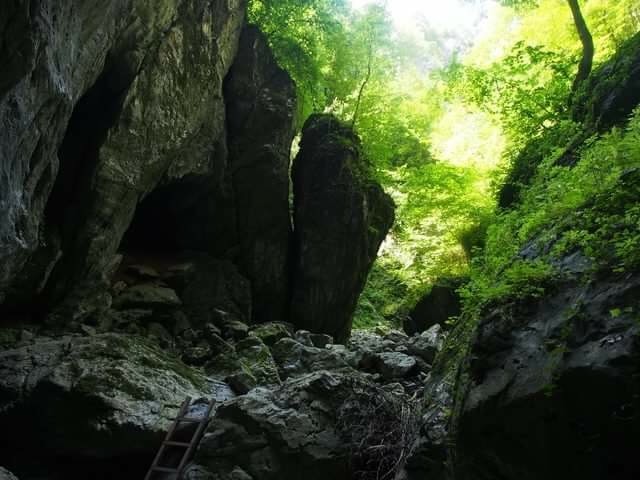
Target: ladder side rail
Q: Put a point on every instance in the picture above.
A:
(195, 440)
(174, 425)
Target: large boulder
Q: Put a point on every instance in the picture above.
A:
(271, 332)
(427, 344)
(250, 364)
(341, 217)
(93, 398)
(552, 386)
(295, 358)
(287, 434)
(7, 475)
(147, 296)
(315, 426)
(261, 103)
(395, 365)
(104, 102)
(436, 307)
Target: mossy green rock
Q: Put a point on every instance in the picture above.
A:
(271, 332)
(250, 365)
(612, 91)
(295, 359)
(147, 296)
(103, 395)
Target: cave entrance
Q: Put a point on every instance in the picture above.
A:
(94, 114)
(69, 204)
(193, 214)
(186, 215)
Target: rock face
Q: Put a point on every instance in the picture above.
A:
(145, 228)
(6, 475)
(250, 434)
(163, 133)
(563, 375)
(123, 118)
(99, 397)
(436, 307)
(341, 217)
(260, 115)
(612, 91)
(543, 388)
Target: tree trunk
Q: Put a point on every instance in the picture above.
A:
(588, 49)
(362, 87)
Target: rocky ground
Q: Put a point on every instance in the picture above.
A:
(288, 402)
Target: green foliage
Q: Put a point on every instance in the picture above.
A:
(303, 35)
(444, 143)
(527, 90)
(605, 80)
(593, 207)
(524, 164)
(517, 280)
(386, 296)
(326, 48)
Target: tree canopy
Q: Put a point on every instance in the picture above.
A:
(442, 118)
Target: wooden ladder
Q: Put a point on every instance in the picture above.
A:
(188, 447)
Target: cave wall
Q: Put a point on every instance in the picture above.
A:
(171, 126)
(114, 99)
(138, 131)
(261, 107)
(41, 82)
(161, 68)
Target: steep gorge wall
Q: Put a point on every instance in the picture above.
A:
(261, 107)
(546, 385)
(145, 223)
(114, 99)
(137, 132)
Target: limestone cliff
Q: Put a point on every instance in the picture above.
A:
(341, 218)
(105, 103)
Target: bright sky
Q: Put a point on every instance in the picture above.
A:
(458, 15)
(449, 14)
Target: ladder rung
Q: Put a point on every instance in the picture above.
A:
(171, 443)
(189, 419)
(189, 446)
(164, 469)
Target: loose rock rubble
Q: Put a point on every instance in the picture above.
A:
(278, 391)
